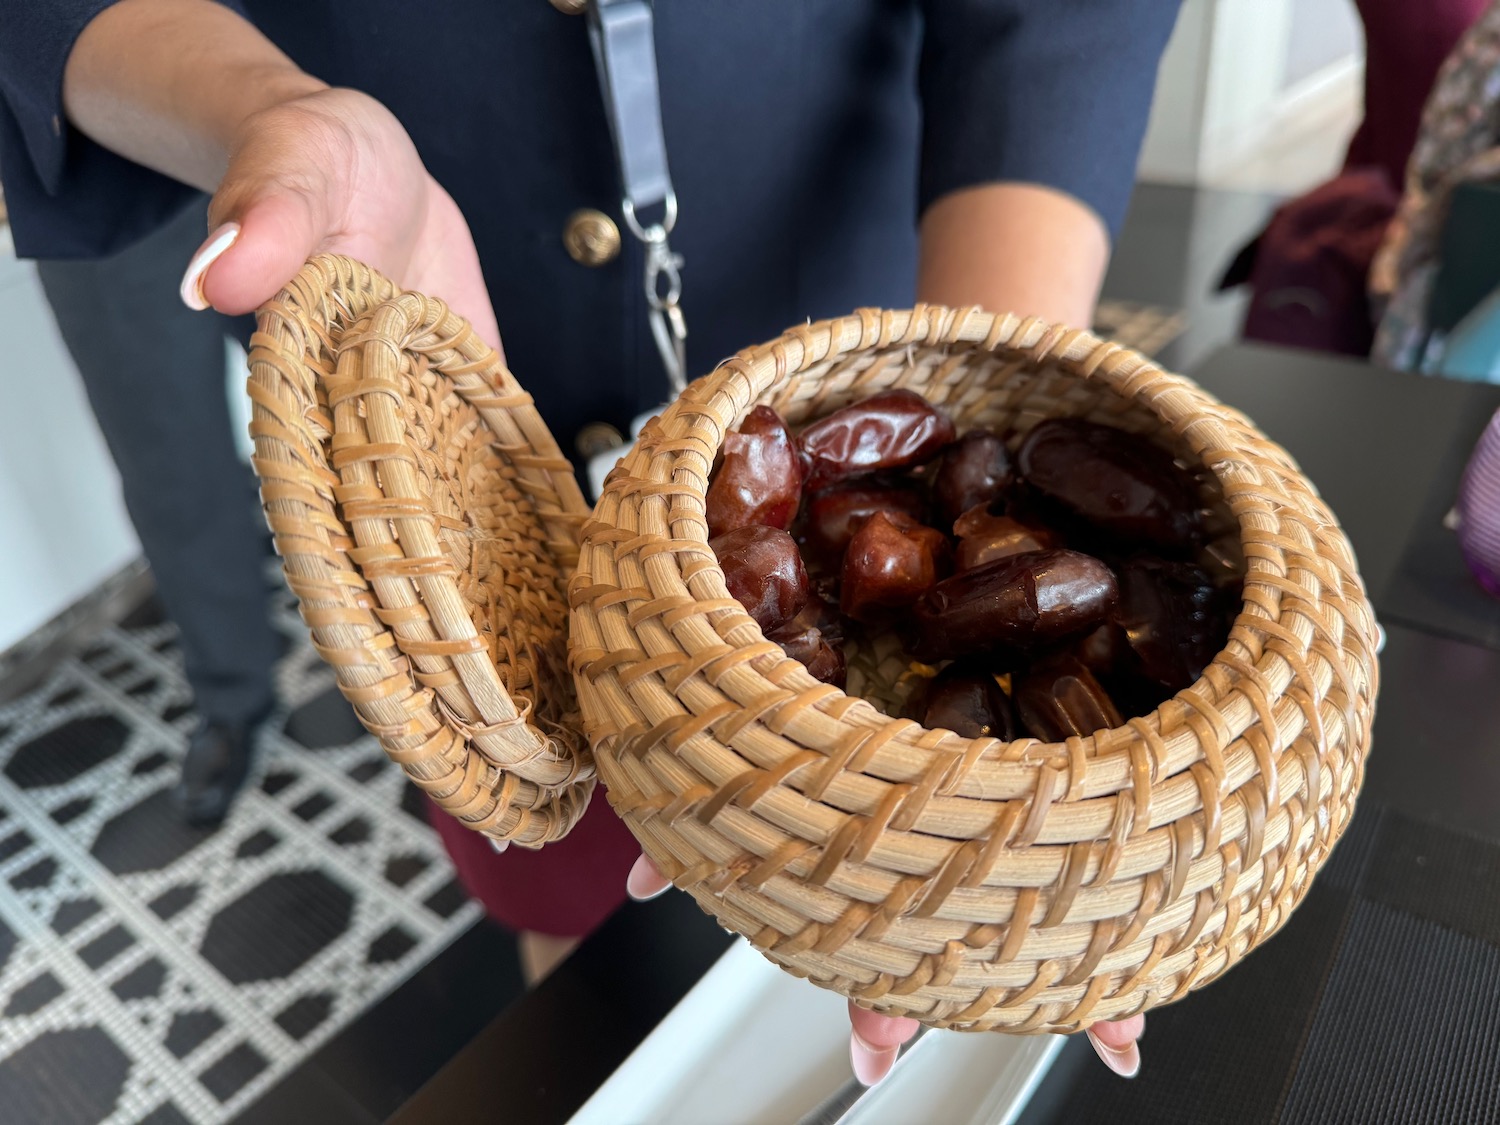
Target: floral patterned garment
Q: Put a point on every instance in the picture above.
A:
(1457, 144)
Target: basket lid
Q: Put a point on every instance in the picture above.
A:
(427, 522)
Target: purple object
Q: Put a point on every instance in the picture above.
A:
(1478, 509)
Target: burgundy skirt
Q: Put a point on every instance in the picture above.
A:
(565, 889)
(1406, 42)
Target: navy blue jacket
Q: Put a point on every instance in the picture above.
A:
(805, 137)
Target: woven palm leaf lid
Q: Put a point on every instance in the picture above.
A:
(427, 522)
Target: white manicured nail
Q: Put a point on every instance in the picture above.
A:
(1124, 1061)
(209, 253)
(645, 882)
(870, 1063)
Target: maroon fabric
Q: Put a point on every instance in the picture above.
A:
(1406, 42)
(1312, 261)
(566, 889)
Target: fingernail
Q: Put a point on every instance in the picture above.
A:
(1379, 638)
(1124, 1061)
(870, 1064)
(499, 846)
(209, 253)
(644, 882)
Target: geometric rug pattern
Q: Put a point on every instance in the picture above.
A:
(150, 972)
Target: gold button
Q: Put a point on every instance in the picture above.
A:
(591, 237)
(570, 7)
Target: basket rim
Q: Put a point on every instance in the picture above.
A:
(1207, 424)
(1022, 886)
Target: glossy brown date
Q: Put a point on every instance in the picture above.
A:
(764, 572)
(1060, 698)
(759, 478)
(835, 515)
(891, 561)
(975, 470)
(968, 701)
(983, 537)
(1169, 615)
(889, 430)
(1115, 481)
(812, 648)
(1013, 606)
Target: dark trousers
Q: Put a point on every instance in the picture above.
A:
(155, 375)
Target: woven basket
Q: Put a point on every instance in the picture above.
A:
(428, 524)
(1021, 887)
(427, 521)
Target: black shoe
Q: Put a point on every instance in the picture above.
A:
(214, 770)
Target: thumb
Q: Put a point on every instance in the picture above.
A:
(257, 245)
(878, 1030)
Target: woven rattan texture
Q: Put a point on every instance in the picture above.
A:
(428, 523)
(1022, 887)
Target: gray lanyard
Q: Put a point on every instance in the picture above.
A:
(622, 35)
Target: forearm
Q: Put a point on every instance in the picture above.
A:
(1015, 248)
(166, 83)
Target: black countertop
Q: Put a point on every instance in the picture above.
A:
(1386, 450)
(1376, 1002)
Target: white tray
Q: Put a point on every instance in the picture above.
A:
(751, 1045)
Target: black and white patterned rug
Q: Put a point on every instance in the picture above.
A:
(154, 973)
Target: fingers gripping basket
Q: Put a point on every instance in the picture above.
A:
(428, 523)
(973, 884)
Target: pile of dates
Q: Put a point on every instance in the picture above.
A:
(1046, 588)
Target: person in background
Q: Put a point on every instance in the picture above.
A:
(154, 371)
(1309, 271)
(826, 154)
(1458, 143)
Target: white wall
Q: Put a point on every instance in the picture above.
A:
(1231, 85)
(1174, 132)
(63, 526)
(1322, 33)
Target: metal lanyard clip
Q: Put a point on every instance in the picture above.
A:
(663, 290)
(623, 38)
